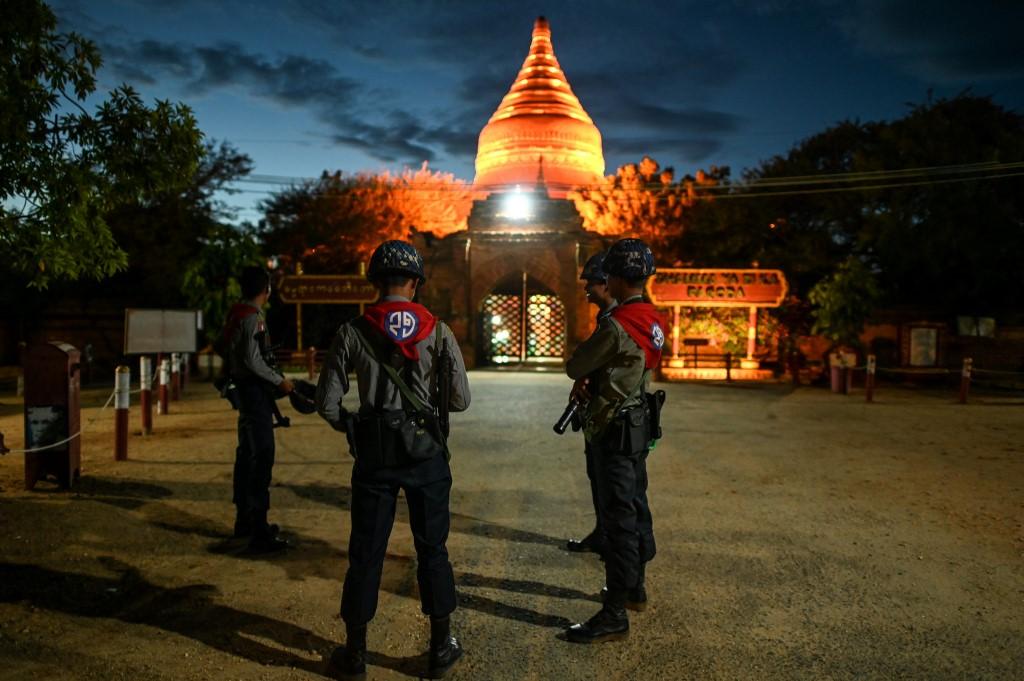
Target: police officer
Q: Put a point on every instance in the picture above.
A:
(611, 370)
(248, 351)
(394, 350)
(596, 287)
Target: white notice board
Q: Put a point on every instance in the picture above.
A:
(151, 331)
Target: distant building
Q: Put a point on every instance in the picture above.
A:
(509, 285)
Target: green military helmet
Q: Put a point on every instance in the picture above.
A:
(592, 270)
(303, 396)
(629, 259)
(396, 257)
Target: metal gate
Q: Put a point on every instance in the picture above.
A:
(518, 332)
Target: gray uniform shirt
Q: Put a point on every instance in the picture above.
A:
(348, 353)
(244, 356)
(616, 363)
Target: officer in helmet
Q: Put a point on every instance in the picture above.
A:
(595, 284)
(402, 357)
(611, 370)
(247, 352)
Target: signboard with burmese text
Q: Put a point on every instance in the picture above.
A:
(317, 288)
(718, 288)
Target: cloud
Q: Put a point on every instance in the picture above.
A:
(942, 41)
(404, 138)
(622, 112)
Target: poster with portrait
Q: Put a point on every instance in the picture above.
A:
(45, 425)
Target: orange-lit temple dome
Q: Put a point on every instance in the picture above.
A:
(540, 128)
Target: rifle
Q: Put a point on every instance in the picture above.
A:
(569, 416)
(444, 388)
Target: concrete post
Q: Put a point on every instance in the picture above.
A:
(122, 393)
(965, 379)
(869, 380)
(165, 381)
(146, 393)
(175, 376)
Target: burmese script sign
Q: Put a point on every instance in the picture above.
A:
(718, 288)
(315, 288)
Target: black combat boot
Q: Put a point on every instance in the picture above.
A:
(243, 525)
(592, 543)
(609, 624)
(445, 650)
(264, 536)
(348, 662)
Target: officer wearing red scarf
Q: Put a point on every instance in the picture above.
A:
(611, 370)
(245, 337)
(409, 338)
(596, 287)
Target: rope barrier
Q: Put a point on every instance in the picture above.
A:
(68, 439)
(997, 371)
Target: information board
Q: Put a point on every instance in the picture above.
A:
(152, 331)
(718, 288)
(318, 288)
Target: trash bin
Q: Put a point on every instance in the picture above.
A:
(840, 364)
(52, 414)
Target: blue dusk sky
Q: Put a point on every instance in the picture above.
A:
(311, 85)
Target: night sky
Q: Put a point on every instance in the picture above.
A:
(307, 85)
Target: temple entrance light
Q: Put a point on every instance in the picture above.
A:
(517, 205)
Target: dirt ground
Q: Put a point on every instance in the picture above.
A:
(801, 535)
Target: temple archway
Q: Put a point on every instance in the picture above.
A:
(522, 321)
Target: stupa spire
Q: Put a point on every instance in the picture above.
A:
(540, 116)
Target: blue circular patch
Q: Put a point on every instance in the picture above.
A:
(657, 336)
(401, 325)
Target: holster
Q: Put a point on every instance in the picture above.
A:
(394, 438)
(630, 430)
(227, 389)
(655, 401)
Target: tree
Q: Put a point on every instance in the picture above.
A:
(843, 302)
(332, 224)
(930, 202)
(643, 201)
(210, 280)
(63, 168)
(163, 235)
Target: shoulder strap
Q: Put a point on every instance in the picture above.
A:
(392, 373)
(639, 388)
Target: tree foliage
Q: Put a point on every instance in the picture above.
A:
(642, 200)
(911, 198)
(843, 302)
(160, 236)
(332, 224)
(210, 280)
(62, 167)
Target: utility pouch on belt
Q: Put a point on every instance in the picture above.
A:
(389, 438)
(635, 429)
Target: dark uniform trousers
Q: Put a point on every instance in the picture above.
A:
(254, 458)
(374, 496)
(625, 513)
(592, 476)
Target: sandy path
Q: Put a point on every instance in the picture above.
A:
(800, 535)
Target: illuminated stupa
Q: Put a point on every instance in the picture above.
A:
(539, 124)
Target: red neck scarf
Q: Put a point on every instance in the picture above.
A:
(237, 313)
(403, 323)
(645, 326)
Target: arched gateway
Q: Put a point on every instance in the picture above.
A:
(522, 321)
(539, 143)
